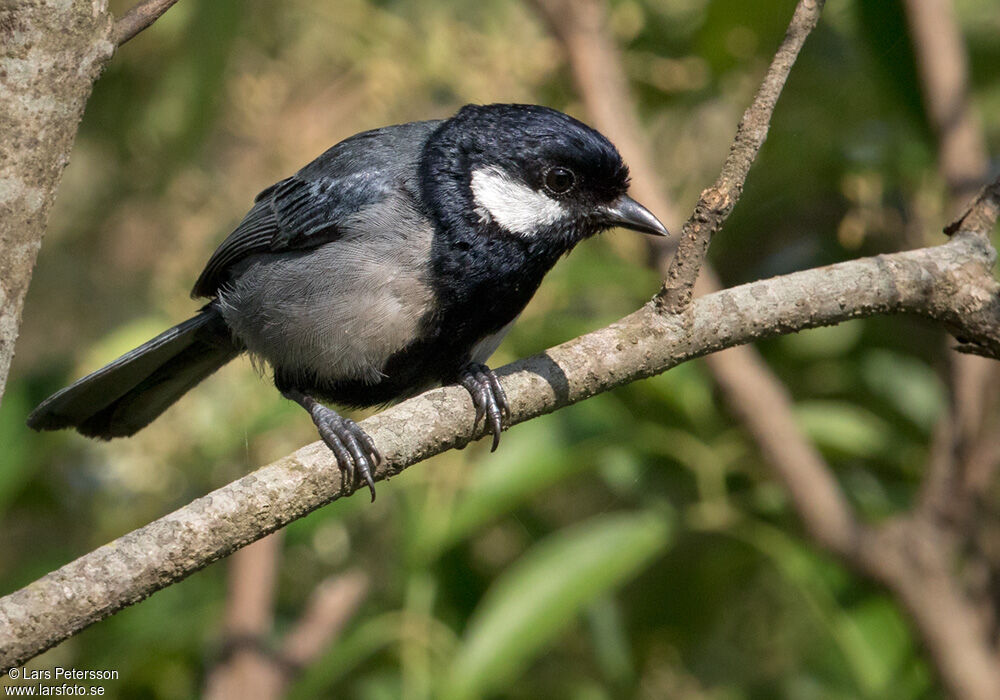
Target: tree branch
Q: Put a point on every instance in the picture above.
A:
(912, 559)
(981, 216)
(948, 283)
(717, 202)
(332, 604)
(752, 391)
(956, 477)
(139, 18)
(51, 54)
(944, 76)
(250, 668)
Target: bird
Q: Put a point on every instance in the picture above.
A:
(394, 262)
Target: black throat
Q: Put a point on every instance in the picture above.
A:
(483, 275)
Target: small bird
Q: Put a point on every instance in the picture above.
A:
(394, 262)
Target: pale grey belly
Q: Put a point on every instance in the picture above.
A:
(482, 350)
(339, 311)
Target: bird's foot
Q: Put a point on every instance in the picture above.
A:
(351, 445)
(488, 397)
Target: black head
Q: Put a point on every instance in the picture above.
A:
(529, 172)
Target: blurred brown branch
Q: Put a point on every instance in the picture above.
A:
(250, 669)
(965, 453)
(750, 388)
(331, 605)
(138, 18)
(246, 669)
(943, 69)
(958, 475)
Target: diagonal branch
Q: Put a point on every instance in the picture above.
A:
(752, 391)
(948, 283)
(982, 214)
(138, 18)
(717, 202)
(944, 76)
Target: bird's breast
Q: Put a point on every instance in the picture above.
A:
(338, 312)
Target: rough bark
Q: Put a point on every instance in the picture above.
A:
(52, 53)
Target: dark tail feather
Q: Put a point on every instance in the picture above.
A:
(126, 395)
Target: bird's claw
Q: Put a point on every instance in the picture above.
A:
(351, 445)
(488, 397)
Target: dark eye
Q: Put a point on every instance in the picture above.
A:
(559, 180)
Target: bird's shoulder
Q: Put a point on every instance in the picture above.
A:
(313, 206)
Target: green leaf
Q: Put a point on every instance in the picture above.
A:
(534, 600)
(816, 580)
(881, 632)
(845, 428)
(16, 466)
(824, 342)
(536, 460)
(908, 385)
(610, 639)
(688, 391)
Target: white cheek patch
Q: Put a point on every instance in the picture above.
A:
(512, 204)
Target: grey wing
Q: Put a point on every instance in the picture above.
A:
(293, 214)
(308, 209)
(253, 235)
(340, 310)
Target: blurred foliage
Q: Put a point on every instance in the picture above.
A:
(635, 545)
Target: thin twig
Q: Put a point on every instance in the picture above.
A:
(981, 216)
(717, 202)
(752, 391)
(138, 18)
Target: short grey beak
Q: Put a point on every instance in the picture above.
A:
(628, 213)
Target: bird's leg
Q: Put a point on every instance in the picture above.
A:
(487, 396)
(351, 445)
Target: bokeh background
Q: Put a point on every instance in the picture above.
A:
(634, 545)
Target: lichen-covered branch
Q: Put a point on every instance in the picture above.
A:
(51, 55)
(949, 283)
